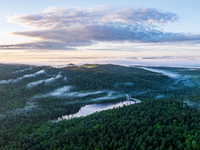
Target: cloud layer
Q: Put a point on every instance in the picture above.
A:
(64, 17)
(67, 28)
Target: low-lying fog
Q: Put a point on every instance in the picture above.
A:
(62, 62)
(21, 78)
(177, 75)
(183, 76)
(67, 91)
(33, 84)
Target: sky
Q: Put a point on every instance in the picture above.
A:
(145, 32)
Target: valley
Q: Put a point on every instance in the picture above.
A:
(32, 96)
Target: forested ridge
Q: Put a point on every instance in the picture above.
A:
(157, 124)
(33, 97)
(83, 78)
(165, 124)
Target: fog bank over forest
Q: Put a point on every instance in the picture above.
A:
(62, 62)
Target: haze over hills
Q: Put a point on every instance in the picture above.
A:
(39, 96)
(62, 62)
(100, 75)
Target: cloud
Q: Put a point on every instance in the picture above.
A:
(21, 78)
(64, 17)
(187, 80)
(164, 72)
(39, 45)
(81, 94)
(67, 28)
(60, 91)
(32, 84)
(22, 70)
(109, 96)
(65, 92)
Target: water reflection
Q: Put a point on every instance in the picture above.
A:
(89, 109)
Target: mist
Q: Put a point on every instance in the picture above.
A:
(187, 80)
(23, 77)
(23, 70)
(193, 104)
(135, 93)
(164, 72)
(126, 84)
(110, 95)
(82, 94)
(60, 91)
(32, 84)
(159, 96)
(66, 92)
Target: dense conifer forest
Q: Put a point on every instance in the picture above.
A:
(32, 98)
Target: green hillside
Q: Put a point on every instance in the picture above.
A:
(166, 124)
(31, 97)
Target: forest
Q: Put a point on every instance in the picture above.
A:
(33, 97)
